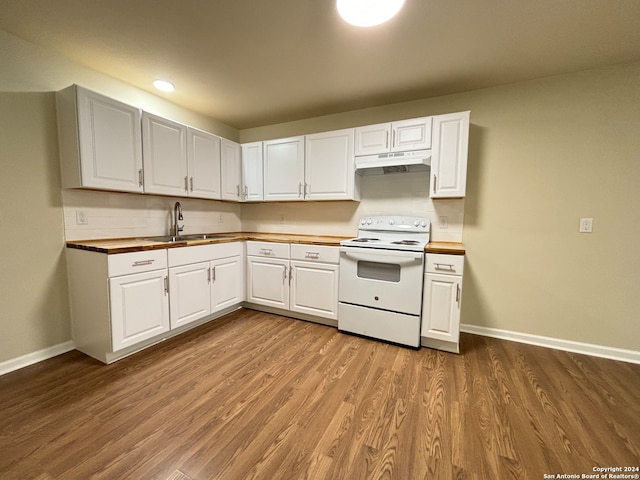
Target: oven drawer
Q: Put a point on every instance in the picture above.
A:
(315, 253)
(268, 249)
(444, 264)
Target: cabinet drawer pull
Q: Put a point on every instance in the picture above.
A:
(266, 251)
(445, 266)
(139, 263)
(315, 255)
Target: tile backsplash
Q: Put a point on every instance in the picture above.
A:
(121, 215)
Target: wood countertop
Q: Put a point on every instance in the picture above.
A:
(126, 245)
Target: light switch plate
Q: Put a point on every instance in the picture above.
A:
(82, 217)
(586, 225)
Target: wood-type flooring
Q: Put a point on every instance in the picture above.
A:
(260, 396)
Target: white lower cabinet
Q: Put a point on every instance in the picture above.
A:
(298, 277)
(441, 302)
(204, 280)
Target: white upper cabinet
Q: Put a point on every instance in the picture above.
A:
(401, 136)
(284, 169)
(100, 141)
(329, 166)
(231, 170)
(165, 156)
(203, 164)
(449, 155)
(252, 177)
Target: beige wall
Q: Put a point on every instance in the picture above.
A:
(542, 154)
(34, 312)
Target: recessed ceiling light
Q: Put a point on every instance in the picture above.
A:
(163, 85)
(367, 13)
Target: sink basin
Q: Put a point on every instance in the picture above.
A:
(185, 238)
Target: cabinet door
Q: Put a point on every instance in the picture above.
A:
(329, 168)
(268, 282)
(252, 178)
(449, 155)
(203, 161)
(284, 169)
(413, 134)
(314, 289)
(165, 156)
(189, 293)
(139, 307)
(441, 307)
(227, 283)
(110, 143)
(231, 170)
(373, 139)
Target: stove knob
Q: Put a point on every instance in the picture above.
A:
(423, 224)
(392, 221)
(369, 222)
(416, 223)
(363, 221)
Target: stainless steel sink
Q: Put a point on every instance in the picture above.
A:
(185, 238)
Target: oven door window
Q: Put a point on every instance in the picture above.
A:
(385, 272)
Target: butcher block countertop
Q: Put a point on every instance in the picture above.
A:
(126, 245)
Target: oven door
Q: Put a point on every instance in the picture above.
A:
(384, 279)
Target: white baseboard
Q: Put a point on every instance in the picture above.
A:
(631, 356)
(35, 357)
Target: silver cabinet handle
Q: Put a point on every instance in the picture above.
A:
(213, 274)
(139, 263)
(300, 189)
(246, 192)
(238, 190)
(386, 140)
(393, 138)
(290, 274)
(140, 178)
(208, 275)
(458, 294)
(435, 182)
(444, 266)
(315, 255)
(186, 184)
(191, 182)
(284, 274)
(307, 187)
(166, 285)
(266, 251)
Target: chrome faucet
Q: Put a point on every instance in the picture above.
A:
(177, 215)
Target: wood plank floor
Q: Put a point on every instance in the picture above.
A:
(254, 395)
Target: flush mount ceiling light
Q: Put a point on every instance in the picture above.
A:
(163, 85)
(367, 13)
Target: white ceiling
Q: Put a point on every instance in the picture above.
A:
(256, 62)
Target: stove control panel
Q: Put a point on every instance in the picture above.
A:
(395, 223)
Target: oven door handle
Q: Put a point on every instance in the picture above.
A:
(397, 257)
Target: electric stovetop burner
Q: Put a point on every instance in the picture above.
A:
(365, 239)
(405, 242)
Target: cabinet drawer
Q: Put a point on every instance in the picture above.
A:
(203, 253)
(445, 264)
(136, 262)
(315, 253)
(268, 249)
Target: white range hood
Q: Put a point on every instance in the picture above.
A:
(394, 162)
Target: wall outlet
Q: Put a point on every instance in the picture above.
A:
(586, 225)
(443, 222)
(82, 217)
(281, 217)
(220, 218)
